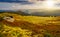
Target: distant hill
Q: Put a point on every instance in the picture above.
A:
(16, 12)
(34, 13)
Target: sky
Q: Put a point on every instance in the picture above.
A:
(29, 4)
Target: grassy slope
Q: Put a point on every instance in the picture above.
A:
(35, 23)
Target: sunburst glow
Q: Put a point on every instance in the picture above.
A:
(49, 3)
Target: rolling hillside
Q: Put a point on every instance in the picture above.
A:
(38, 26)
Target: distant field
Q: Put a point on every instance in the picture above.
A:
(38, 26)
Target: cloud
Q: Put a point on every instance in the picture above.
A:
(19, 6)
(16, 1)
(22, 0)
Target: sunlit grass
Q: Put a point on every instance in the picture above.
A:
(29, 26)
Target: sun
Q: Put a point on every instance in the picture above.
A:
(49, 3)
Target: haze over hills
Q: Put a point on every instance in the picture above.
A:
(35, 12)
